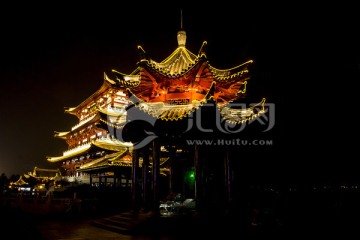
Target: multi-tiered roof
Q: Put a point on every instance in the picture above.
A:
(86, 140)
(169, 91)
(177, 86)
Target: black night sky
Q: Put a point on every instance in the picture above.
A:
(306, 63)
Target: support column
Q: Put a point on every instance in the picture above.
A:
(115, 179)
(171, 178)
(198, 185)
(119, 180)
(145, 174)
(134, 183)
(173, 170)
(156, 175)
(90, 179)
(228, 182)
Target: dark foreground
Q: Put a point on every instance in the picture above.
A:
(292, 216)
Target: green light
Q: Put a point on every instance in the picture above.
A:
(189, 176)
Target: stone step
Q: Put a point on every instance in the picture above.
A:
(113, 228)
(122, 223)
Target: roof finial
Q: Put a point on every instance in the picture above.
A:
(181, 20)
(181, 36)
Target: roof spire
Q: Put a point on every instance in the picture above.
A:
(181, 20)
(181, 36)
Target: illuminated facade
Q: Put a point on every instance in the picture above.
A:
(39, 180)
(142, 121)
(87, 141)
(171, 102)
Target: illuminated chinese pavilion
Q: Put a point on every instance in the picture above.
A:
(136, 127)
(39, 179)
(170, 102)
(89, 145)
